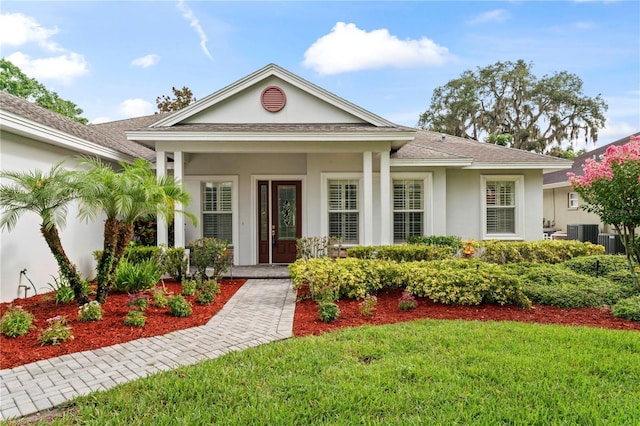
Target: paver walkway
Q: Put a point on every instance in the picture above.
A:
(261, 311)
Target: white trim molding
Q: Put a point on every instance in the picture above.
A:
(519, 206)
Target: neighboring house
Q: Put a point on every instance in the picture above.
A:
(32, 138)
(273, 157)
(562, 203)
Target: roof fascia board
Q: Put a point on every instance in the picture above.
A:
(520, 165)
(141, 135)
(261, 74)
(413, 162)
(556, 185)
(19, 125)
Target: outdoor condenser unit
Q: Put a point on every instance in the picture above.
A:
(583, 232)
(611, 243)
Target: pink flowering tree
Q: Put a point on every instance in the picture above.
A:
(611, 189)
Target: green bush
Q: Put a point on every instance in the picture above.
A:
(178, 307)
(555, 285)
(209, 253)
(57, 332)
(207, 291)
(463, 282)
(135, 318)
(62, 291)
(597, 266)
(91, 311)
(136, 277)
(547, 251)
(189, 288)
(174, 263)
(628, 308)
(455, 243)
(139, 254)
(205, 297)
(401, 253)
(328, 311)
(16, 321)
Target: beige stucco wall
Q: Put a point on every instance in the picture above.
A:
(557, 211)
(24, 247)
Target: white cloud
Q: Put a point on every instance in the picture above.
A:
(348, 48)
(17, 29)
(146, 61)
(583, 25)
(63, 68)
(102, 119)
(497, 15)
(136, 107)
(195, 24)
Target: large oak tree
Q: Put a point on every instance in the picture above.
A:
(507, 99)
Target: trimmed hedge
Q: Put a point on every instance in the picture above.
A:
(438, 240)
(546, 251)
(627, 308)
(401, 253)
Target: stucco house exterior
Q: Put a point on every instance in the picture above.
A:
(562, 203)
(273, 157)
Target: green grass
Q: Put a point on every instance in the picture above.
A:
(422, 372)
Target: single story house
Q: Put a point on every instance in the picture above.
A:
(562, 203)
(273, 157)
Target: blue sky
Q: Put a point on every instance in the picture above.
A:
(114, 58)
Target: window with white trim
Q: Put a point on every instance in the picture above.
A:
(574, 200)
(217, 210)
(408, 208)
(343, 209)
(502, 201)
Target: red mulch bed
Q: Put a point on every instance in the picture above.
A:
(106, 332)
(111, 330)
(306, 319)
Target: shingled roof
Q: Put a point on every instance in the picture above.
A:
(433, 145)
(560, 176)
(30, 111)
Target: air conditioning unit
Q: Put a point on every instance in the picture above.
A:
(611, 243)
(583, 232)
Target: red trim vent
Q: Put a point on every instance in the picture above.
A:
(273, 99)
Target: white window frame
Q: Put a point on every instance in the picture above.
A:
(324, 224)
(573, 200)
(519, 207)
(427, 200)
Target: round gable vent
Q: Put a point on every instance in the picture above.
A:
(273, 99)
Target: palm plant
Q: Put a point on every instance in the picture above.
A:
(47, 195)
(124, 197)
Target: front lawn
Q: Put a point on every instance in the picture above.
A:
(421, 372)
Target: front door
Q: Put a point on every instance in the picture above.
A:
(279, 220)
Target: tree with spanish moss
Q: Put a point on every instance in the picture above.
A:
(506, 98)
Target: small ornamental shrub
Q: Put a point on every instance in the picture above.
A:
(174, 263)
(140, 254)
(205, 297)
(451, 241)
(62, 291)
(91, 311)
(57, 332)
(207, 291)
(328, 311)
(189, 287)
(159, 297)
(628, 308)
(135, 318)
(178, 307)
(401, 253)
(16, 322)
(407, 301)
(368, 305)
(546, 251)
(209, 258)
(138, 301)
(135, 277)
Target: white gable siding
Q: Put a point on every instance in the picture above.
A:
(24, 247)
(245, 107)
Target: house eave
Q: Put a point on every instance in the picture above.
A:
(12, 123)
(556, 185)
(446, 162)
(545, 166)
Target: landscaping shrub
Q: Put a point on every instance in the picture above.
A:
(91, 311)
(547, 251)
(188, 287)
(455, 243)
(135, 277)
(597, 266)
(16, 321)
(62, 290)
(139, 254)
(407, 301)
(207, 291)
(209, 253)
(555, 285)
(368, 305)
(57, 332)
(315, 247)
(463, 282)
(174, 263)
(135, 318)
(628, 308)
(328, 311)
(401, 253)
(139, 301)
(159, 295)
(178, 307)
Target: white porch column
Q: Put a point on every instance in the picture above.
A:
(367, 192)
(385, 199)
(162, 233)
(178, 227)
